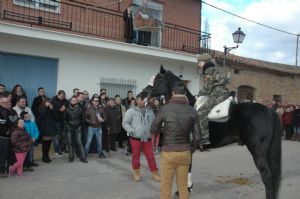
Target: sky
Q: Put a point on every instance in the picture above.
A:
(260, 42)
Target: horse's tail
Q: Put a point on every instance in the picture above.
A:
(274, 153)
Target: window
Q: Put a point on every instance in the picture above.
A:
(45, 5)
(147, 33)
(117, 86)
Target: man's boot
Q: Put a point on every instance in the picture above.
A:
(137, 175)
(298, 137)
(155, 176)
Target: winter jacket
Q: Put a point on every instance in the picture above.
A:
(127, 103)
(214, 80)
(179, 119)
(7, 120)
(137, 125)
(57, 104)
(91, 116)
(113, 120)
(122, 109)
(35, 106)
(26, 109)
(74, 117)
(296, 118)
(287, 118)
(32, 129)
(47, 124)
(21, 141)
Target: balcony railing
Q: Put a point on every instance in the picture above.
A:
(86, 19)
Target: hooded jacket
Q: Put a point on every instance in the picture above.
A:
(136, 124)
(31, 129)
(20, 140)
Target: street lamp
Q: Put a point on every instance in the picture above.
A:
(238, 38)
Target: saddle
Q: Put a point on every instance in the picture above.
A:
(219, 113)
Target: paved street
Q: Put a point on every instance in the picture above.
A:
(224, 173)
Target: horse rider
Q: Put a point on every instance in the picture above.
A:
(214, 87)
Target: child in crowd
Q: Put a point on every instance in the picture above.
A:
(34, 133)
(21, 143)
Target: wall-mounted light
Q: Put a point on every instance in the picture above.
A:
(181, 71)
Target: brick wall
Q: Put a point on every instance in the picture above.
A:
(183, 12)
(266, 84)
(109, 4)
(88, 18)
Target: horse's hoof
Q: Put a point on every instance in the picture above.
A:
(176, 194)
(190, 187)
(202, 149)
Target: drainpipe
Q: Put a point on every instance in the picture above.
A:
(297, 50)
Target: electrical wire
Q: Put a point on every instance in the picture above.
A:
(270, 27)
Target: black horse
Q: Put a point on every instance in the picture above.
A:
(253, 124)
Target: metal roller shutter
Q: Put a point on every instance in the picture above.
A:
(29, 71)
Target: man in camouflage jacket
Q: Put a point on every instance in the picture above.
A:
(214, 87)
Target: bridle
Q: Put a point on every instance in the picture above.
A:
(157, 84)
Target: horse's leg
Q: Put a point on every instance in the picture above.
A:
(190, 182)
(259, 155)
(260, 130)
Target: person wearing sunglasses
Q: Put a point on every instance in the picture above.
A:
(95, 116)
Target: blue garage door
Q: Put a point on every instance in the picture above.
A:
(29, 71)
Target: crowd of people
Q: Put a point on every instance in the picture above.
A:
(77, 126)
(81, 125)
(290, 119)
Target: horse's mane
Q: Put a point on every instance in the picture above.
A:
(171, 79)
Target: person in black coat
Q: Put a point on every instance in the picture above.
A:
(113, 123)
(59, 108)
(73, 123)
(35, 107)
(296, 124)
(48, 129)
(128, 28)
(127, 102)
(8, 117)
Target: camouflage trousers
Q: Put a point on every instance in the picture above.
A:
(218, 95)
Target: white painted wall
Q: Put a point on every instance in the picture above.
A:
(81, 66)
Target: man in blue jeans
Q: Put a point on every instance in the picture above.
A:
(95, 117)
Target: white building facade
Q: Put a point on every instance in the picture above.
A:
(86, 62)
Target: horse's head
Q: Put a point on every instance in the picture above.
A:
(158, 85)
(161, 84)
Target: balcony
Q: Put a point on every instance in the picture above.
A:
(86, 19)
